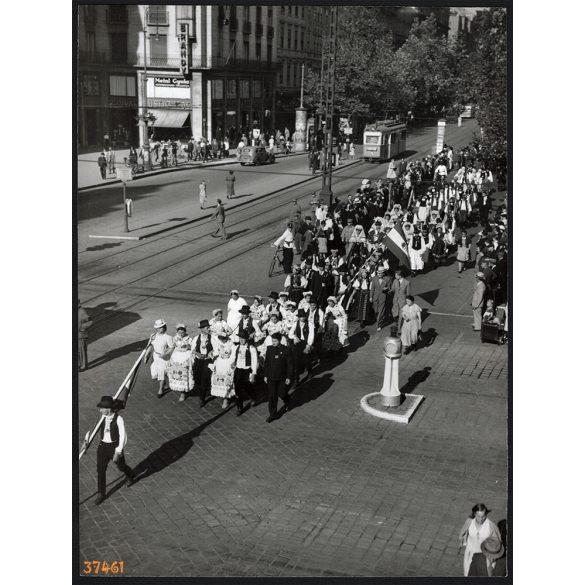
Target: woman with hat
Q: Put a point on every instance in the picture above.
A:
(476, 529)
(274, 325)
(305, 302)
(218, 326)
(180, 369)
(334, 307)
(257, 310)
(160, 348)
(222, 369)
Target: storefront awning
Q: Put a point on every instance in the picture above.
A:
(170, 118)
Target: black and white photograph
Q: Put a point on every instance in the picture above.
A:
(292, 264)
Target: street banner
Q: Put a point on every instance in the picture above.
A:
(121, 397)
(396, 243)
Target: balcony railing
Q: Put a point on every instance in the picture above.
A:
(247, 29)
(259, 29)
(173, 62)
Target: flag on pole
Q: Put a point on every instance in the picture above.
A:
(396, 242)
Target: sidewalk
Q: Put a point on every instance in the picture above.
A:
(89, 177)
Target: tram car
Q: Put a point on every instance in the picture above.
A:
(384, 140)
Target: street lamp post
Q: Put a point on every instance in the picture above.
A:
(329, 105)
(144, 118)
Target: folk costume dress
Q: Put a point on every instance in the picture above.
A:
(180, 369)
(330, 337)
(416, 250)
(361, 302)
(340, 316)
(222, 377)
(218, 327)
(162, 344)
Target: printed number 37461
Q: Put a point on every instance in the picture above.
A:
(102, 567)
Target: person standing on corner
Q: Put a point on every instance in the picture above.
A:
(219, 216)
(230, 185)
(400, 289)
(111, 447)
(278, 372)
(287, 241)
(83, 323)
(477, 300)
(102, 164)
(202, 194)
(379, 293)
(203, 356)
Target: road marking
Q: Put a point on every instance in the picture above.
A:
(450, 314)
(117, 237)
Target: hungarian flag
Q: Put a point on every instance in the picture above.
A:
(396, 242)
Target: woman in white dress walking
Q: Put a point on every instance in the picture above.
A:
(161, 347)
(180, 369)
(222, 377)
(411, 323)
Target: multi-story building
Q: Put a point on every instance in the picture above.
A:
(461, 23)
(300, 37)
(193, 70)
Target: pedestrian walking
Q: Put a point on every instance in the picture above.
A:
(379, 294)
(180, 370)
(477, 300)
(400, 289)
(476, 529)
(111, 447)
(160, 349)
(463, 251)
(111, 161)
(102, 164)
(219, 216)
(84, 322)
(411, 324)
(302, 335)
(222, 377)
(278, 373)
(246, 368)
(202, 194)
(230, 181)
(203, 357)
(351, 151)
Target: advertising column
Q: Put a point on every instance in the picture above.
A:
(440, 135)
(301, 130)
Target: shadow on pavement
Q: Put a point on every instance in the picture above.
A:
(169, 452)
(106, 320)
(103, 247)
(134, 347)
(311, 389)
(241, 196)
(415, 379)
(427, 338)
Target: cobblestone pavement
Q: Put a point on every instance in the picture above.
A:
(326, 489)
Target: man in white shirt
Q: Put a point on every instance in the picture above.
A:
(111, 446)
(441, 171)
(391, 174)
(287, 241)
(246, 360)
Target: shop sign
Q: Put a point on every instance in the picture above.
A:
(171, 82)
(122, 102)
(172, 103)
(184, 48)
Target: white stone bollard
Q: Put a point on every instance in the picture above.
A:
(390, 390)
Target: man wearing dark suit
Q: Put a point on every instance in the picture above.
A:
(484, 206)
(379, 292)
(321, 284)
(278, 372)
(400, 289)
(219, 216)
(202, 352)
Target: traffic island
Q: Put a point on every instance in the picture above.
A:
(389, 403)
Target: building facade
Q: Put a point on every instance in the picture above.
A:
(201, 71)
(300, 38)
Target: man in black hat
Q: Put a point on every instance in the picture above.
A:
(246, 323)
(303, 338)
(111, 447)
(278, 372)
(203, 354)
(246, 361)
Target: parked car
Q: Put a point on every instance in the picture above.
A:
(255, 155)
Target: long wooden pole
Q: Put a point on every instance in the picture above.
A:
(87, 443)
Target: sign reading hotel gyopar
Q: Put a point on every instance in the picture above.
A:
(171, 82)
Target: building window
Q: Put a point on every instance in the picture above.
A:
(246, 12)
(119, 47)
(258, 52)
(267, 88)
(281, 45)
(269, 15)
(283, 10)
(302, 12)
(217, 89)
(302, 41)
(247, 52)
(289, 36)
(296, 11)
(123, 85)
(269, 55)
(90, 43)
(245, 89)
(158, 50)
(296, 38)
(231, 89)
(280, 77)
(258, 14)
(90, 84)
(157, 15)
(257, 87)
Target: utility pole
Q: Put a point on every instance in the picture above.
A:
(144, 121)
(329, 105)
